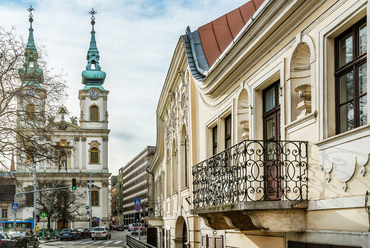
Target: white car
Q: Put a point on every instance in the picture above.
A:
(100, 232)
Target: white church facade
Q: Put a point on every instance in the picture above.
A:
(81, 144)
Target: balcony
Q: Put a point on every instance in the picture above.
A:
(252, 185)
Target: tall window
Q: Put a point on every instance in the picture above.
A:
(351, 77)
(30, 112)
(228, 132)
(4, 213)
(214, 140)
(94, 152)
(94, 113)
(94, 155)
(95, 198)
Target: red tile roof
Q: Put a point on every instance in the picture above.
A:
(218, 34)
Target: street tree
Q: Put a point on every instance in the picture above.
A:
(16, 61)
(69, 205)
(57, 203)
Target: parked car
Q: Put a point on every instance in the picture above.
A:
(120, 228)
(69, 234)
(25, 239)
(85, 233)
(100, 232)
(138, 227)
(6, 240)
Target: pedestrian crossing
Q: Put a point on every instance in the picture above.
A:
(89, 243)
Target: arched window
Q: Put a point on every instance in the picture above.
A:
(94, 113)
(30, 112)
(94, 155)
(94, 152)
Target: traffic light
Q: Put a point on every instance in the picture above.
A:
(74, 184)
(38, 217)
(137, 219)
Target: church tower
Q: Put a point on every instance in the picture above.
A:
(31, 100)
(93, 97)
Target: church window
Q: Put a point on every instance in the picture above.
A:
(94, 155)
(94, 152)
(95, 198)
(30, 112)
(94, 113)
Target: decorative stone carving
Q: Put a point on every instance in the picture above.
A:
(77, 138)
(304, 93)
(105, 139)
(74, 120)
(83, 139)
(245, 134)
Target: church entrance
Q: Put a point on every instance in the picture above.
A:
(62, 224)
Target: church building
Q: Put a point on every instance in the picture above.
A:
(81, 146)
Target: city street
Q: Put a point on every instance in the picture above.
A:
(118, 240)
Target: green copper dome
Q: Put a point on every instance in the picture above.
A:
(93, 76)
(31, 74)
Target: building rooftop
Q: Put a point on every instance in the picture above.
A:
(209, 41)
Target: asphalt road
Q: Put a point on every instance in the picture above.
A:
(118, 240)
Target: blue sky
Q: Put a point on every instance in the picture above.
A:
(136, 40)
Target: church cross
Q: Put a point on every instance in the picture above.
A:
(30, 9)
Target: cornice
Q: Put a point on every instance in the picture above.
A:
(275, 24)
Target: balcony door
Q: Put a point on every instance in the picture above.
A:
(271, 133)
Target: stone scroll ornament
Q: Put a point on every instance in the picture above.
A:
(343, 159)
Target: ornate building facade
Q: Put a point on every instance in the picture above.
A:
(262, 130)
(81, 145)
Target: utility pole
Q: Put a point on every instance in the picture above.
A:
(34, 199)
(90, 207)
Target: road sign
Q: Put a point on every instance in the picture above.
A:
(138, 208)
(14, 206)
(43, 215)
(137, 201)
(123, 220)
(37, 228)
(97, 219)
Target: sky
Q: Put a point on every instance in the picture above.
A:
(136, 40)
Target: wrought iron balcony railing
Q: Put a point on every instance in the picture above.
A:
(252, 171)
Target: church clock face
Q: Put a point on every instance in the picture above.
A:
(30, 92)
(94, 94)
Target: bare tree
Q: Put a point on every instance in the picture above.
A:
(68, 205)
(14, 73)
(63, 203)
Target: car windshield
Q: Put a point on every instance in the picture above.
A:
(16, 234)
(99, 229)
(66, 230)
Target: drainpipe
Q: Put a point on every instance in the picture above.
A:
(151, 173)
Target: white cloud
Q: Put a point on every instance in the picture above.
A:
(136, 40)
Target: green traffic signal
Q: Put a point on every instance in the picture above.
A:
(74, 184)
